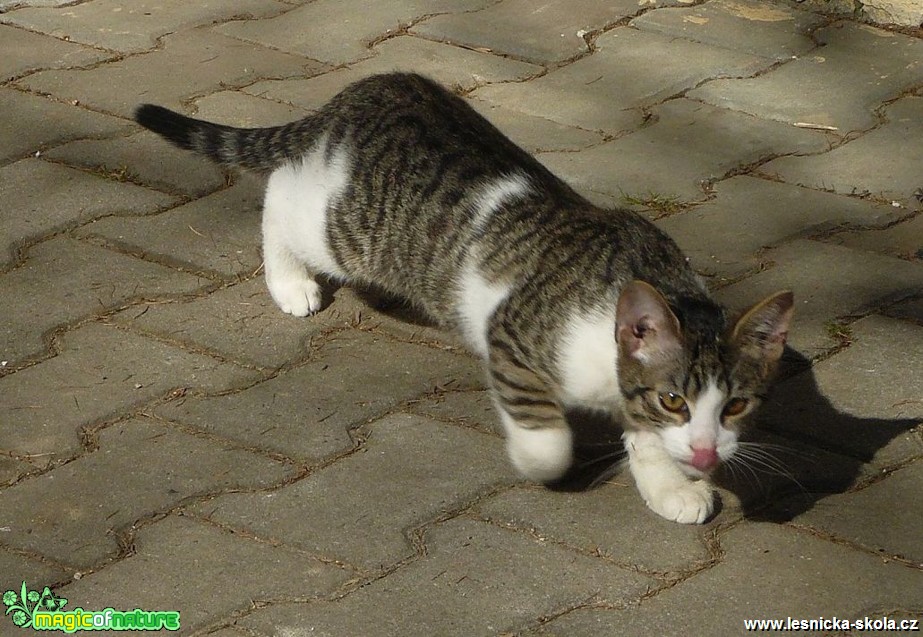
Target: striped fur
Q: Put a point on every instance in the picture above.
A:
(399, 184)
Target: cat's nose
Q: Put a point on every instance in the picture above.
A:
(704, 459)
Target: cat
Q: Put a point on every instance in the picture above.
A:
(397, 183)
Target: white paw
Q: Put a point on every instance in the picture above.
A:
(298, 295)
(687, 503)
(542, 455)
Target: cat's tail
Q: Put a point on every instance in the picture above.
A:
(257, 149)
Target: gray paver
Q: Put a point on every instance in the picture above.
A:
(768, 572)
(307, 412)
(218, 234)
(242, 323)
(344, 474)
(475, 579)
(111, 24)
(340, 31)
(725, 235)
(450, 65)
(690, 143)
(218, 573)
(873, 387)
(235, 108)
(76, 509)
(630, 69)
(537, 134)
(546, 33)
(767, 29)
(209, 61)
(25, 51)
(12, 469)
(829, 282)
(891, 149)
(70, 280)
(101, 372)
(51, 198)
(151, 161)
(35, 123)
(903, 240)
(360, 509)
(16, 569)
(877, 65)
(876, 517)
(601, 521)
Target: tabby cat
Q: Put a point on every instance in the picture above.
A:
(397, 183)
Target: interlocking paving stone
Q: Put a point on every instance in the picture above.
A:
(891, 148)
(146, 158)
(903, 240)
(74, 509)
(829, 282)
(453, 66)
(546, 33)
(111, 24)
(724, 235)
(209, 62)
(690, 143)
(877, 65)
(70, 280)
(306, 413)
(611, 520)
(11, 469)
(629, 69)
(475, 579)
(761, 28)
(25, 51)
(32, 123)
(240, 321)
(49, 198)
(217, 572)
(16, 569)
(469, 408)
(536, 134)
(360, 509)
(219, 233)
(876, 517)
(340, 31)
(768, 572)
(101, 372)
(235, 108)
(873, 387)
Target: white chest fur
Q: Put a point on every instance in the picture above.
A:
(587, 361)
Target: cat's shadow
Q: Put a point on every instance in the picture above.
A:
(807, 449)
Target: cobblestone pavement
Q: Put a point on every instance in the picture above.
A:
(169, 440)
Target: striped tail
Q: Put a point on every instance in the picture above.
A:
(256, 149)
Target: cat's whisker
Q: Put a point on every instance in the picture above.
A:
(756, 458)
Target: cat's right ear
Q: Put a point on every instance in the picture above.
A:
(646, 328)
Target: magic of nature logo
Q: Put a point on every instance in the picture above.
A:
(45, 611)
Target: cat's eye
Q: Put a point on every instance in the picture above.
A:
(674, 403)
(735, 407)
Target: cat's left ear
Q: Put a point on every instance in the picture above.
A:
(761, 331)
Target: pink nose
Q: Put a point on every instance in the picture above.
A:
(704, 459)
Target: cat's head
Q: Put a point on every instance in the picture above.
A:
(692, 376)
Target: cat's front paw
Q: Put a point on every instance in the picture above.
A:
(690, 502)
(296, 295)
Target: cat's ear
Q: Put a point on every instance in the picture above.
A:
(762, 330)
(646, 327)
